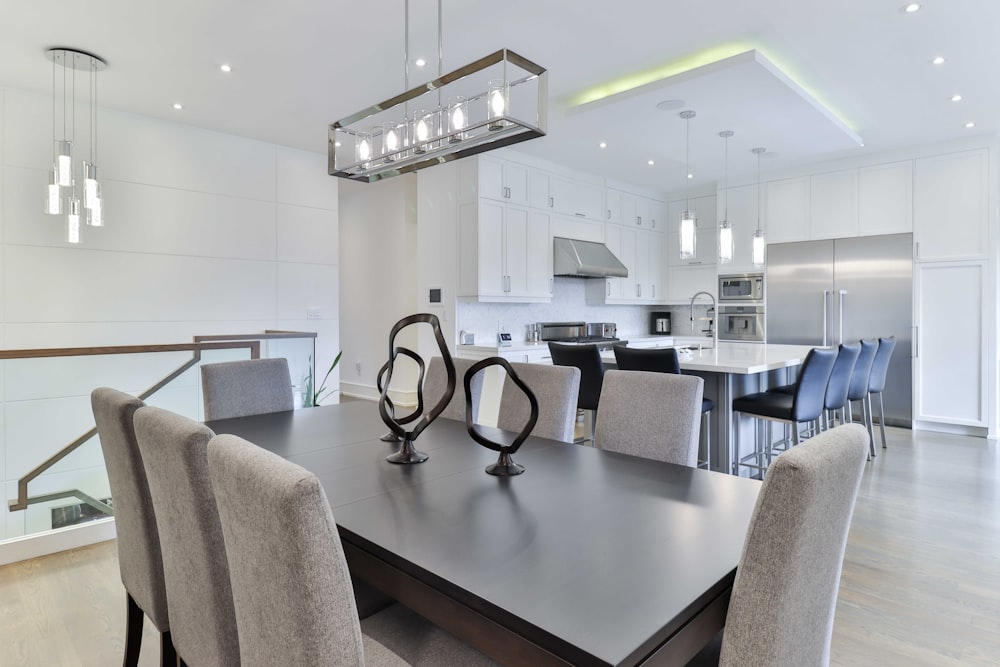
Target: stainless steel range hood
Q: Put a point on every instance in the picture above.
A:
(584, 259)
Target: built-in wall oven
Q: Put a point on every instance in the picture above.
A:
(741, 323)
(742, 287)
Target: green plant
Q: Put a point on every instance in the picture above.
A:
(311, 397)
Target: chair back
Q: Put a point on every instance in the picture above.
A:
(244, 388)
(139, 559)
(277, 522)
(437, 380)
(653, 415)
(880, 365)
(556, 388)
(175, 455)
(840, 376)
(862, 371)
(656, 360)
(785, 593)
(588, 359)
(810, 388)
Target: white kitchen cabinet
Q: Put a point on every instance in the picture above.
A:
(885, 198)
(566, 196)
(503, 180)
(613, 206)
(504, 253)
(683, 282)
(950, 378)
(786, 210)
(833, 205)
(641, 251)
(951, 206)
(644, 212)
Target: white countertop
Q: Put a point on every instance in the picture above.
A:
(524, 346)
(740, 358)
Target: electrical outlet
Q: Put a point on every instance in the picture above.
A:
(314, 314)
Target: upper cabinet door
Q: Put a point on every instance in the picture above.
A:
(491, 178)
(577, 198)
(503, 181)
(515, 179)
(613, 202)
(951, 205)
(539, 189)
(786, 210)
(833, 203)
(886, 198)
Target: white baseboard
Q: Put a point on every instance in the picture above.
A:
(53, 541)
(406, 399)
(954, 429)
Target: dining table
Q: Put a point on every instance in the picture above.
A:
(587, 558)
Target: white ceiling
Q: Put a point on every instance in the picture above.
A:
(301, 64)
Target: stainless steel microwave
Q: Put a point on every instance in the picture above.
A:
(743, 287)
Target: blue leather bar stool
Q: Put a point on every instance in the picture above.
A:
(665, 360)
(840, 382)
(858, 390)
(804, 404)
(876, 379)
(588, 359)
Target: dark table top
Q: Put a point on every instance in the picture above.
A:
(599, 554)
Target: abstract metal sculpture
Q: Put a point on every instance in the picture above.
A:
(505, 466)
(407, 452)
(391, 436)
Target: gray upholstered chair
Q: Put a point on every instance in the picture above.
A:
(555, 387)
(175, 455)
(139, 559)
(243, 388)
(276, 519)
(437, 380)
(652, 415)
(783, 601)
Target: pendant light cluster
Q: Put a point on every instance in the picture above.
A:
(688, 224)
(62, 195)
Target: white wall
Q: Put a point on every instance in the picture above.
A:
(206, 233)
(378, 261)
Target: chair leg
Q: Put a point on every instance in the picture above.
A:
(881, 418)
(866, 418)
(796, 436)
(736, 444)
(134, 618)
(168, 654)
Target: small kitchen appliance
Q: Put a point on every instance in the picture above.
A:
(659, 323)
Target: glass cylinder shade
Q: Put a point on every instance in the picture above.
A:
(458, 118)
(424, 131)
(90, 187)
(688, 235)
(497, 101)
(392, 141)
(95, 213)
(726, 246)
(64, 164)
(53, 195)
(363, 148)
(73, 221)
(759, 248)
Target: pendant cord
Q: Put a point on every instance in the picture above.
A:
(726, 187)
(687, 162)
(54, 111)
(440, 51)
(406, 54)
(64, 96)
(758, 190)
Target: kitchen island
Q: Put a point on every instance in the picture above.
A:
(730, 370)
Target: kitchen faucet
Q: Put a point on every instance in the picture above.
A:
(711, 320)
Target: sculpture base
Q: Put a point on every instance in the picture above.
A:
(391, 437)
(504, 467)
(407, 454)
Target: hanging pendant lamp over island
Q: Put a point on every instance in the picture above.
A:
(726, 246)
(688, 229)
(61, 195)
(498, 100)
(759, 242)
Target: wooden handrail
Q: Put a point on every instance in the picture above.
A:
(200, 344)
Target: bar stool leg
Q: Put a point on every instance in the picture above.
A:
(881, 418)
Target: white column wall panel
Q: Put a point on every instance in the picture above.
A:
(81, 285)
(146, 218)
(305, 286)
(309, 235)
(302, 179)
(140, 149)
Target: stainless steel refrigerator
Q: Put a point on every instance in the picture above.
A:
(841, 290)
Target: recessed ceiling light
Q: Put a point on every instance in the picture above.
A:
(670, 105)
(226, 68)
(912, 7)
(970, 124)
(603, 144)
(650, 163)
(178, 106)
(938, 61)
(956, 98)
(419, 62)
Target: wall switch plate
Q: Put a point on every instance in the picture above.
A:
(314, 314)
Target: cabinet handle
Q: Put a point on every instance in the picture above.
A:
(608, 283)
(638, 220)
(580, 215)
(638, 290)
(654, 291)
(918, 250)
(552, 202)
(916, 342)
(506, 192)
(551, 285)
(693, 263)
(609, 214)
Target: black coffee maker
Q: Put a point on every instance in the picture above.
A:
(659, 323)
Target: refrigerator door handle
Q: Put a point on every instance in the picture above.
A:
(843, 293)
(826, 309)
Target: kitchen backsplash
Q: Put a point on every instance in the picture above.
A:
(569, 304)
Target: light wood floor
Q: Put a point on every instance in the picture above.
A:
(921, 580)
